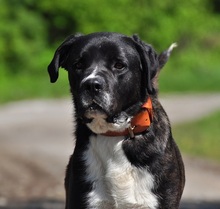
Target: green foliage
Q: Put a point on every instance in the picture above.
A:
(200, 138)
(20, 42)
(31, 30)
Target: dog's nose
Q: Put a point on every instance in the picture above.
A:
(93, 85)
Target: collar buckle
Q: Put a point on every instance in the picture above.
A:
(131, 131)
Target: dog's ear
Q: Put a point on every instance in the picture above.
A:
(149, 62)
(164, 56)
(60, 57)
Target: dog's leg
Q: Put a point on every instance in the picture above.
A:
(76, 188)
(75, 185)
(68, 185)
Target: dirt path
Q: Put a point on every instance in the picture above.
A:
(36, 141)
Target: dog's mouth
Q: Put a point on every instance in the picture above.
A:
(99, 121)
(95, 110)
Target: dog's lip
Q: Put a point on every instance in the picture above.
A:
(95, 110)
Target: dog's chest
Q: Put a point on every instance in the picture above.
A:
(115, 182)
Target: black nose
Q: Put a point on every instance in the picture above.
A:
(93, 85)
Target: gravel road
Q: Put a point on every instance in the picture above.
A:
(36, 141)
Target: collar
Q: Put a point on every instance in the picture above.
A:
(139, 122)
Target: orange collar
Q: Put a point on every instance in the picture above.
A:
(139, 123)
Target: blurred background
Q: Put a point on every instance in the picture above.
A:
(36, 126)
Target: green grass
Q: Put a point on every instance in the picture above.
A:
(200, 138)
(21, 87)
(195, 72)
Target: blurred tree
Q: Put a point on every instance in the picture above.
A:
(30, 30)
(21, 32)
(28, 27)
(215, 6)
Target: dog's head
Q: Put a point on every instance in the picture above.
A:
(110, 76)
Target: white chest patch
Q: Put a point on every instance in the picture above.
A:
(116, 183)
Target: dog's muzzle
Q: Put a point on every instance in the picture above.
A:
(95, 97)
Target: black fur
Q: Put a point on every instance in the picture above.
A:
(75, 185)
(126, 68)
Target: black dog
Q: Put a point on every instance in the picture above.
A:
(125, 155)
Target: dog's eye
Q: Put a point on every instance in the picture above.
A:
(119, 65)
(78, 65)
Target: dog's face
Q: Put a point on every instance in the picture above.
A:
(109, 74)
(104, 75)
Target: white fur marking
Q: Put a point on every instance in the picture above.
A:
(99, 124)
(107, 99)
(172, 46)
(116, 183)
(91, 76)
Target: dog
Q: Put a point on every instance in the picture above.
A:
(125, 155)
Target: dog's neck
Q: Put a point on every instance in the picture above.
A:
(128, 126)
(139, 122)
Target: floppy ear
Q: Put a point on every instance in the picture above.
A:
(60, 57)
(149, 62)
